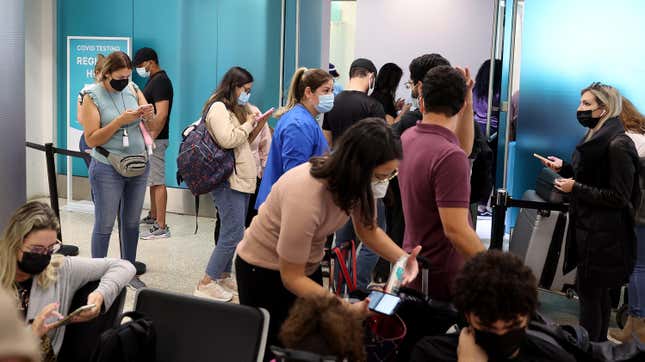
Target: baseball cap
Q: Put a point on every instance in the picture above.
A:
(143, 55)
(333, 71)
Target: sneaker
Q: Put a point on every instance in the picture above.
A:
(140, 267)
(136, 283)
(148, 220)
(156, 232)
(229, 284)
(213, 291)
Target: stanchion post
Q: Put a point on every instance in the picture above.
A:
(51, 178)
(499, 217)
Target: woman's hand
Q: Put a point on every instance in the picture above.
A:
(565, 184)
(468, 350)
(94, 298)
(128, 117)
(398, 105)
(146, 111)
(411, 267)
(39, 326)
(359, 309)
(553, 163)
(406, 107)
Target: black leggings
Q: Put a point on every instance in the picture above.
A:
(595, 310)
(262, 288)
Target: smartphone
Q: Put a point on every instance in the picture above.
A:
(68, 318)
(541, 158)
(144, 106)
(265, 113)
(383, 303)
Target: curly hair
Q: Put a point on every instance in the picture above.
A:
(422, 64)
(494, 286)
(338, 331)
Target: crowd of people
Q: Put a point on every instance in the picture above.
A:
(395, 177)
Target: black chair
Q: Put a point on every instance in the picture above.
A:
(196, 329)
(81, 338)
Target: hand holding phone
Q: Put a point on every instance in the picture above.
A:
(541, 158)
(264, 116)
(383, 303)
(68, 318)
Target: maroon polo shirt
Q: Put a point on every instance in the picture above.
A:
(434, 173)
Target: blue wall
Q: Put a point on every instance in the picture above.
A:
(566, 46)
(197, 42)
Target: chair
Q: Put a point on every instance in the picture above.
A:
(196, 329)
(81, 338)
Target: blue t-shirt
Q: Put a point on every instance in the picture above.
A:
(296, 139)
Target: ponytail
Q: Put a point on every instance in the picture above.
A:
(292, 97)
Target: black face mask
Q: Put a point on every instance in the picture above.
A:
(586, 119)
(500, 347)
(119, 84)
(33, 263)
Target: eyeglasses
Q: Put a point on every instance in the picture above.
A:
(409, 84)
(37, 249)
(598, 85)
(383, 179)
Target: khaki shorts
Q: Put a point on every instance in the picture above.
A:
(158, 164)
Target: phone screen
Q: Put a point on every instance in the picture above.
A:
(383, 303)
(266, 113)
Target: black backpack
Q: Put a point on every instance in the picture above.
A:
(129, 342)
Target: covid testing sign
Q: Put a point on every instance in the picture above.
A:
(82, 52)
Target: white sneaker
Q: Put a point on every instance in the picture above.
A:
(213, 291)
(229, 284)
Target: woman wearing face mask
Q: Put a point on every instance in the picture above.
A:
(44, 284)
(111, 112)
(279, 258)
(602, 181)
(297, 136)
(233, 125)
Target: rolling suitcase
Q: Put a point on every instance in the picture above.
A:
(539, 239)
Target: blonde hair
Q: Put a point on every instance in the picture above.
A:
(301, 79)
(32, 216)
(633, 120)
(113, 62)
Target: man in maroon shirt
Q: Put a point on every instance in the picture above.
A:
(434, 177)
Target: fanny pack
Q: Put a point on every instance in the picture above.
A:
(126, 166)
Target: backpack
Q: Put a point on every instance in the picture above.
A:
(129, 342)
(202, 164)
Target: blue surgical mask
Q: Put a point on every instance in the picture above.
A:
(243, 99)
(325, 103)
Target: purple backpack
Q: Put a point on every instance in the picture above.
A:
(202, 164)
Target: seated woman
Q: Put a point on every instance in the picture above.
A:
(323, 326)
(44, 284)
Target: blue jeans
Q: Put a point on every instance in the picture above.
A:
(636, 288)
(367, 259)
(110, 189)
(231, 206)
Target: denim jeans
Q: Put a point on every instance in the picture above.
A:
(109, 189)
(231, 206)
(367, 259)
(636, 288)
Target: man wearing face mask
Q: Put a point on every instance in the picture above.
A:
(350, 106)
(158, 92)
(603, 183)
(434, 177)
(497, 294)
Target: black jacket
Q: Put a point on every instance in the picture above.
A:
(601, 240)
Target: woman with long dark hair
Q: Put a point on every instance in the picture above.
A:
(233, 125)
(279, 258)
(384, 91)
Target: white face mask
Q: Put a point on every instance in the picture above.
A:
(143, 73)
(379, 188)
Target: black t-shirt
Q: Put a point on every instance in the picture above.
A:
(387, 101)
(159, 88)
(408, 119)
(349, 108)
(444, 349)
